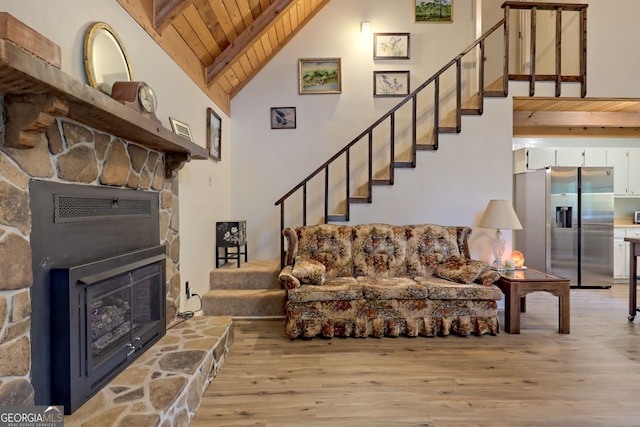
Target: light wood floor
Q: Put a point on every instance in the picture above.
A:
(538, 378)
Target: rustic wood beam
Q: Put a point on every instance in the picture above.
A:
(575, 118)
(165, 11)
(244, 40)
(29, 117)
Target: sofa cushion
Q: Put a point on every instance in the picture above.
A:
(428, 245)
(379, 250)
(328, 244)
(391, 288)
(461, 270)
(333, 289)
(441, 289)
(309, 271)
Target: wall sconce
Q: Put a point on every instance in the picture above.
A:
(365, 27)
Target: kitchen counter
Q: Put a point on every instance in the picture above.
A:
(624, 222)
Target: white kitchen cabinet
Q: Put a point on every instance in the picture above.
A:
(633, 158)
(621, 250)
(620, 254)
(595, 157)
(533, 158)
(570, 157)
(626, 172)
(579, 157)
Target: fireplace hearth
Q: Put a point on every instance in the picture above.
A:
(107, 312)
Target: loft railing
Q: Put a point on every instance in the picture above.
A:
(499, 88)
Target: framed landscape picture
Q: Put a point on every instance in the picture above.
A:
(434, 11)
(319, 75)
(390, 83)
(214, 134)
(391, 46)
(283, 118)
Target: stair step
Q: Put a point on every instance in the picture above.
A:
(380, 181)
(425, 147)
(471, 111)
(448, 129)
(494, 94)
(259, 274)
(337, 218)
(359, 199)
(244, 302)
(404, 165)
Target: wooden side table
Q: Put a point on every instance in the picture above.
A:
(517, 284)
(634, 253)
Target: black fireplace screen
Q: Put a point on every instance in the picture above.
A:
(106, 313)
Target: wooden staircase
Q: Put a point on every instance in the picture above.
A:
(340, 179)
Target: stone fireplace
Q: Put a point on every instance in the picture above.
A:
(72, 153)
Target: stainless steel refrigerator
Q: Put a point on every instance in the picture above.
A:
(567, 223)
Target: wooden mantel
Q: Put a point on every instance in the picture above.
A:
(576, 117)
(36, 92)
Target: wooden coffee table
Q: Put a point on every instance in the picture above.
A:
(517, 284)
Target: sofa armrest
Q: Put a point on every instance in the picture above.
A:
(287, 279)
(292, 245)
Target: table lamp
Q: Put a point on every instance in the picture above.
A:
(500, 215)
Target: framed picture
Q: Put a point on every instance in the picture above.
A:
(214, 134)
(319, 75)
(391, 46)
(390, 83)
(283, 117)
(181, 128)
(435, 11)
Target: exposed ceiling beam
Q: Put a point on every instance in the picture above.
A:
(585, 117)
(240, 44)
(165, 11)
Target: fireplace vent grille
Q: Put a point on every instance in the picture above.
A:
(83, 208)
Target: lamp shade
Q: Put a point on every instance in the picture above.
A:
(499, 214)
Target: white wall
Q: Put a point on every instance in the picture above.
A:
(65, 23)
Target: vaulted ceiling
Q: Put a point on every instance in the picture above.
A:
(222, 44)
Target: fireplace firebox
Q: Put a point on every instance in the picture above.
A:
(106, 313)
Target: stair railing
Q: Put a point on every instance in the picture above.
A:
(390, 116)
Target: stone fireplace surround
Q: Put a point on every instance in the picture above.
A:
(74, 153)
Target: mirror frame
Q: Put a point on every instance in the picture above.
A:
(89, 40)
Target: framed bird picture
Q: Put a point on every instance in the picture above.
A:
(391, 46)
(283, 117)
(390, 83)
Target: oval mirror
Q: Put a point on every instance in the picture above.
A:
(105, 59)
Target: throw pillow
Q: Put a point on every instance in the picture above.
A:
(460, 270)
(488, 277)
(308, 271)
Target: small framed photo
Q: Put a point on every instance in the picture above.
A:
(437, 11)
(390, 83)
(391, 46)
(181, 128)
(283, 117)
(319, 75)
(214, 134)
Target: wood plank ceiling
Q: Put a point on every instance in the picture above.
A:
(222, 44)
(576, 117)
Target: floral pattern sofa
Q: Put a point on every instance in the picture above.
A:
(385, 280)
